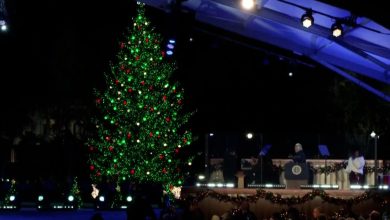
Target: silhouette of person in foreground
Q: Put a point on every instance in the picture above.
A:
(192, 211)
(140, 209)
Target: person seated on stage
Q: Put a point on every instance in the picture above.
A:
(299, 156)
(355, 167)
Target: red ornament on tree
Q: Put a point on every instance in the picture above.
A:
(179, 101)
(185, 140)
(164, 170)
(177, 150)
(143, 83)
(92, 167)
(91, 148)
(110, 148)
(122, 67)
(151, 109)
(122, 45)
(163, 53)
(150, 88)
(116, 82)
(150, 134)
(98, 101)
(132, 171)
(165, 98)
(137, 58)
(161, 156)
(98, 174)
(127, 71)
(147, 40)
(125, 102)
(128, 135)
(168, 119)
(108, 138)
(130, 90)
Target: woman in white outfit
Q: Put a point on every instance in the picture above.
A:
(355, 167)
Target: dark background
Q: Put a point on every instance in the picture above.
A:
(56, 52)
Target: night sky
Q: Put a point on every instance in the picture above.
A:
(57, 51)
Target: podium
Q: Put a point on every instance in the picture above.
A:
(296, 174)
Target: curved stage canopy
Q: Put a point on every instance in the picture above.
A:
(361, 53)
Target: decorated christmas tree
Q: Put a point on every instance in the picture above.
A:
(141, 123)
(11, 194)
(75, 192)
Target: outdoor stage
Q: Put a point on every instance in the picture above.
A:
(266, 202)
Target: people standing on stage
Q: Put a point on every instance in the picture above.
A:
(299, 156)
(355, 167)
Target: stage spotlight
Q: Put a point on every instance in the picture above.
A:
(9, 203)
(124, 204)
(214, 185)
(320, 186)
(248, 4)
(101, 198)
(3, 25)
(249, 135)
(42, 203)
(170, 46)
(307, 19)
(70, 198)
(229, 185)
(71, 203)
(337, 29)
(363, 187)
(201, 177)
(40, 198)
(267, 186)
(12, 198)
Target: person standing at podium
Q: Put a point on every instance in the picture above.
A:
(299, 156)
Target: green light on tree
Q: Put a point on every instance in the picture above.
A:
(141, 129)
